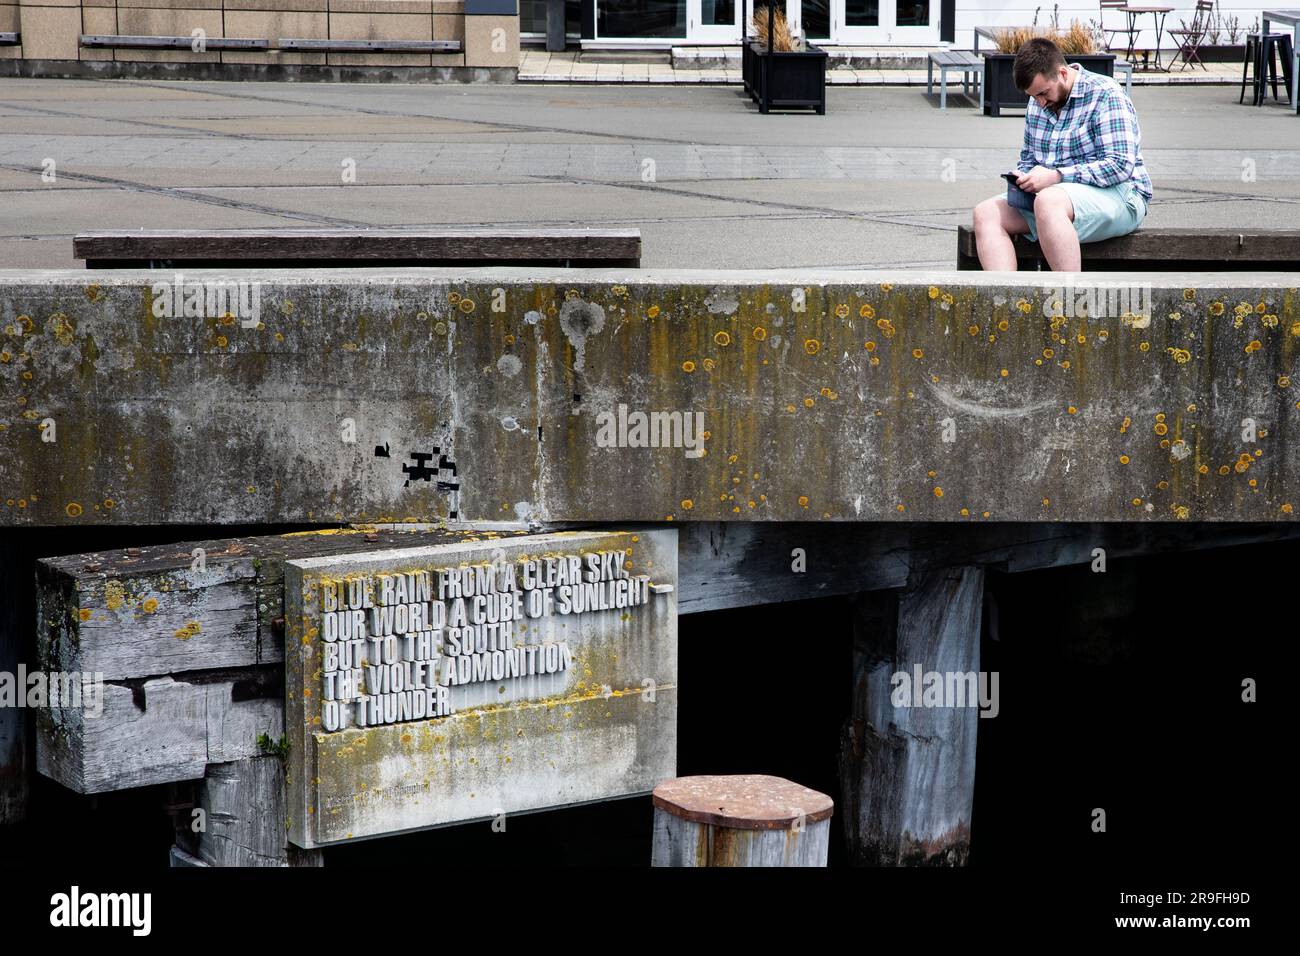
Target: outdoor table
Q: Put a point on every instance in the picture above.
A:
(1291, 17)
(1158, 14)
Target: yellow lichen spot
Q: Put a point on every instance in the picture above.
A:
(875, 360)
(1073, 410)
(1048, 353)
(5, 356)
(1295, 328)
(1181, 356)
(759, 333)
(886, 286)
(149, 605)
(722, 338)
(1066, 364)
(1224, 469)
(731, 459)
(84, 614)
(869, 346)
(931, 474)
(938, 492)
(809, 402)
(709, 365)
(1252, 482)
(933, 292)
(1160, 428)
(1162, 485)
(867, 312)
(812, 346)
(1253, 346)
(192, 627)
(1204, 469)
(1144, 346)
(1261, 308)
(1136, 502)
(687, 504)
(1047, 502)
(454, 297)
(1160, 416)
(221, 341)
(965, 512)
(842, 311)
(789, 408)
(508, 340)
(1004, 373)
(901, 508)
(1004, 325)
(466, 305)
(1283, 381)
(653, 311)
(986, 514)
(1181, 511)
(1123, 459)
(918, 353)
(1216, 308)
(1286, 508)
(1038, 361)
(973, 329)
(73, 510)
(1081, 338)
(886, 326)
(688, 366)
(803, 501)
(830, 393)
(1189, 295)
(1024, 306)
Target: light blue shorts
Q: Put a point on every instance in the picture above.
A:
(1099, 213)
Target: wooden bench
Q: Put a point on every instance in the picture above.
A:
(115, 42)
(110, 41)
(954, 61)
(323, 248)
(1164, 250)
(368, 46)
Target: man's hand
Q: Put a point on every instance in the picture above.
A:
(1038, 179)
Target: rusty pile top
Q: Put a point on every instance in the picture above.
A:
(742, 801)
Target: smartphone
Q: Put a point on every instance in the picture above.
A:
(1011, 178)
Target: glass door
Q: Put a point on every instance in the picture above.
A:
(885, 22)
(713, 21)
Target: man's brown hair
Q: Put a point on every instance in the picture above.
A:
(1038, 57)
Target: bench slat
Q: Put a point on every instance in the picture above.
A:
(1229, 246)
(167, 42)
(102, 249)
(363, 46)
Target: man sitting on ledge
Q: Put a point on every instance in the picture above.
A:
(1081, 163)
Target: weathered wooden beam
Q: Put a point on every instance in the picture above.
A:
(198, 652)
(363, 46)
(238, 819)
(908, 771)
(264, 248)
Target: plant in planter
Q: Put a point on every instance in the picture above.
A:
(1078, 41)
(1224, 40)
(780, 71)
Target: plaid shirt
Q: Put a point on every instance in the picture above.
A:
(1094, 140)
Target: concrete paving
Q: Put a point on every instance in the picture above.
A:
(882, 180)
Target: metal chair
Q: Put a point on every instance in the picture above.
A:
(1130, 32)
(1192, 37)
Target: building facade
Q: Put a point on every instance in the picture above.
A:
(664, 23)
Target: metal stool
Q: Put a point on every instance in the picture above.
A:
(1263, 53)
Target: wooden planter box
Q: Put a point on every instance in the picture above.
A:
(1000, 83)
(1219, 54)
(784, 80)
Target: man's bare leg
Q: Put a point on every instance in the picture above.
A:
(1057, 236)
(995, 223)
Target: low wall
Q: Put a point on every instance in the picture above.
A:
(51, 30)
(489, 394)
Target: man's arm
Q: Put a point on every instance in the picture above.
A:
(1114, 129)
(1027, 161)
